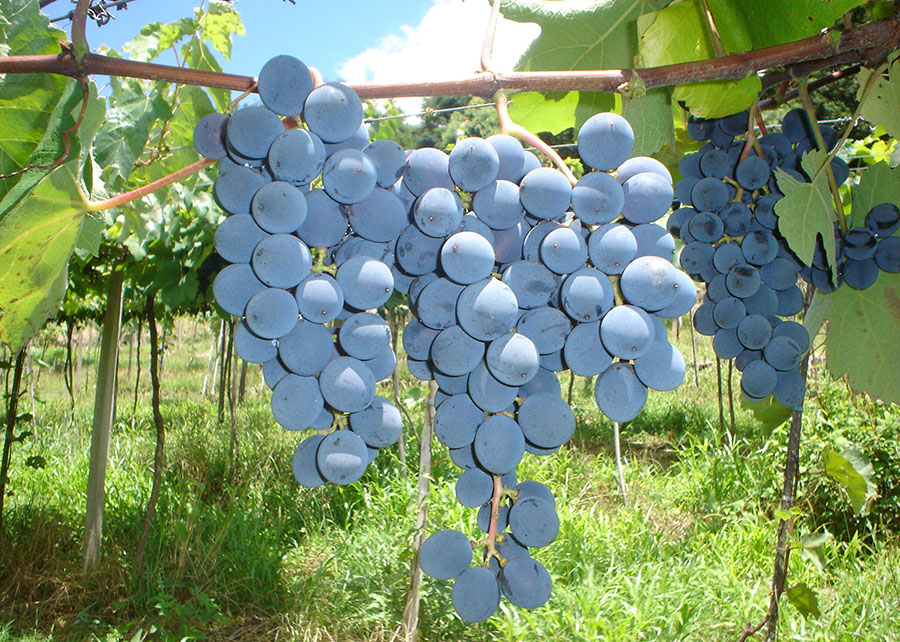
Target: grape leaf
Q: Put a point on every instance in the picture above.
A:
(589, 34)
(853, 472)
(90, 236)
(124, 133)
(804, 600)
(769, 412)
(555, 112)
(219, 25)
(806, 210)
(862, 337)
(652, 130)
(815, 314)
(811, 548)
(29, 102)
(879, 184)
(37, 236)
(198, 56)
(681, 33)
(881, 105)
(156, 37)
(775, 22)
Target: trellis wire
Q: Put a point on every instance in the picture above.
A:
(428, 112)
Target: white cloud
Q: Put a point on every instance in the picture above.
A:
(446, 44)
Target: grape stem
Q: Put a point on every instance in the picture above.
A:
(802, 87)
(495, 517)
(752, 140)
(507, 126)
(870, 83)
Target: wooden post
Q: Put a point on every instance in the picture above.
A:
(158, 455)
(104, 409)
(137, 359)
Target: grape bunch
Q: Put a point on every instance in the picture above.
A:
(729, 226)
(512, 274)
(288, 300)
(542, 278)
(860, 253)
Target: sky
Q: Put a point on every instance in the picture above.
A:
(350, 40)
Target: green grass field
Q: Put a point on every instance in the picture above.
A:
(247, 554)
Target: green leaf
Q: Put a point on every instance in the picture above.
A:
(124, 133)
(650, 117)
(198, 56)
(555, 112)
(879, 184)
(862, 337)
(769, 412)
(816, 313)
(782, 514)
(811, 548)
(90, 236)
(26, 30)
(680, 33)
(573, 34)
(32, 106)
(775, 22)
(220, 24)
(718, 98)
(193, 104)
(853, 472)
(882, 103)
(814, 540)
(156, 37)
(37, 236)
(804, 600)
(589, 34)
(806, 211)
(58, 117)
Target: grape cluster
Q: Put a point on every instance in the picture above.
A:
(527, 289)
(860, 253)
(286, 298)
(732, 244)
(512, 274)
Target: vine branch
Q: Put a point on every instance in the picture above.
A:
(783, 97)
(79, 37)
(149, 188)
(874, 40)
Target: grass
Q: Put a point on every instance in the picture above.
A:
(250, 555)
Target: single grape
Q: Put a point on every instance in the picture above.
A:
(605, 141)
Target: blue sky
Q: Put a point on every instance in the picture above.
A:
(321, 33)
(350, 40)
